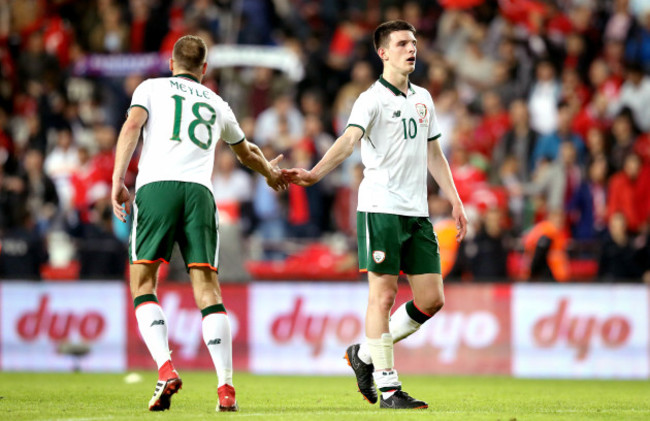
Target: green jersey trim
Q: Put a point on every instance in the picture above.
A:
(140, 106)
(434, 137)
(356, 125)
(189, 76)
(393, 89)
(237, 142)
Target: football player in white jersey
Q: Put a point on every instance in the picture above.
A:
(396, 124)
(181, 122)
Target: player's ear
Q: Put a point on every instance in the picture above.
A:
(205, 68)
(171, 65)
(383, 54)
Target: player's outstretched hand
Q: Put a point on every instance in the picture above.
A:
(277, 180)
(458, 213)
(300, 177)
(120, 196)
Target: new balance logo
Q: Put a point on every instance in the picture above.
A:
(215, 341)
(397, 113)
(157, 322)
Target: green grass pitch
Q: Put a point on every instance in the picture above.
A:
(86, 397)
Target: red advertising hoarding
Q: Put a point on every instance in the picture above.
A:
(470, 335)
(41, 324)
(305, 328)
(525, 330)
(184, 328)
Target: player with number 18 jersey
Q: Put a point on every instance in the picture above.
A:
(181, 122)
(186, 120)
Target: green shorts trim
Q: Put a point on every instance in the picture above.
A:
(166, 212)
(390, 244)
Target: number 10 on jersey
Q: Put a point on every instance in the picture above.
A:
(412, 128)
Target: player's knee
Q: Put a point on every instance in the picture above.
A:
(437, 304)
(433, 304)
(141, 288)
(383, 300)
(206, 297)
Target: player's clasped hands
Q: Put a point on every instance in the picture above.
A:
(277, 181)
(299, 176)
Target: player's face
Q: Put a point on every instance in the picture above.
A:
(401, 51)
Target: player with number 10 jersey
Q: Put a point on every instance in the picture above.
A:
(397, 128)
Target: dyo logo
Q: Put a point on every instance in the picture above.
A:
(579, 331)
(184, 325)
(59, 326)
(449, 330)
(314, 328)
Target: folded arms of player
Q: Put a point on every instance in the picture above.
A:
(126, 143)
(337, 153)
(439, 169)
(250, 155)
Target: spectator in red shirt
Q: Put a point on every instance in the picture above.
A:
(592, 115)
(603, 81)
(628, 193)
(623, 136)
(57, 37)
(140, 10)
(82, 180)
(492, 126)
(575, 54)
(102, 162)
(466, 175)
(574, 91)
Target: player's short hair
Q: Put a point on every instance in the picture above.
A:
(190, 52)
(383, 31)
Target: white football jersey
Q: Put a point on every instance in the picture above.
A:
(186, 120)
(396, 130)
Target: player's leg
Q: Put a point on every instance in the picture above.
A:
(383, 289)
(428, 299)
(409, 316)
(421, 260)
(381, 297)
(199, 244)
(153, 329)
(150, 316)
(378, 254)
(422, 263)
(419, 255)
(151, 242)
(216, 332)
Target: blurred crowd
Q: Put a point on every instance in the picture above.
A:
(544, 107)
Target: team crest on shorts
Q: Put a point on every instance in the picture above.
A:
(422, 111)
(378, 256)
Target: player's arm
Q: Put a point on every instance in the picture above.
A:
(337, 153)
(126, 143)
(250, 155)
(439, 169)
